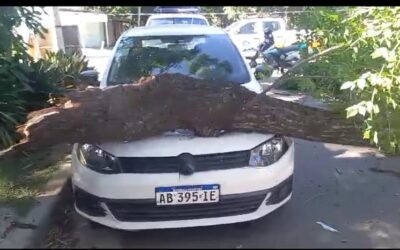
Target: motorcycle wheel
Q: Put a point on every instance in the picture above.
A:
(262, 74)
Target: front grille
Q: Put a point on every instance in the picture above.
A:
(147, 210)
(172, 164)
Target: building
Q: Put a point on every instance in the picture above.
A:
(93, 30)
(77, 29)
(87, 30)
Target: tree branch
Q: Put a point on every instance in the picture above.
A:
(283, 78)
(171, 101)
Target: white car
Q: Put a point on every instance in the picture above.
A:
(249, 33)
(178, 179)
(176, 18)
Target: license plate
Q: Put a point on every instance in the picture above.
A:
(180, 195)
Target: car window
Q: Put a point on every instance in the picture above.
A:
(272, 25)
(177, 20)
(248, 28)
(199, 21)
(212, 57)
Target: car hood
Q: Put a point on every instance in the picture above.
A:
(176, 143)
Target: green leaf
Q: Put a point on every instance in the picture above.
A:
(8, 117)
(394, 104)
(388, 42)
(391, 57)
(376, 137)
(380, 52)
(352, 111)
(347, 85)
(361, 83)
(367, 134)
(376, 108)
(362, 110)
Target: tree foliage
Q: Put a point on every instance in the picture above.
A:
(121, 11)
(232, 13)
(14, 65)
(364, 73)
(25, 84)
(235, 13)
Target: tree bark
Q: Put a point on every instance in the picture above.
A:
(170, 101)
(271, 115)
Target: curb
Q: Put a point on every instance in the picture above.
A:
(39, 235)
(40, 214)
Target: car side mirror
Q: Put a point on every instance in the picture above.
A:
(90, 77)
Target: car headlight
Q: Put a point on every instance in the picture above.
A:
(97, 159)
(268, 152)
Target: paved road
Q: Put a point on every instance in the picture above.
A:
(332, 183)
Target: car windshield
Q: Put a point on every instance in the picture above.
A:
(211, 57)
(177, 20)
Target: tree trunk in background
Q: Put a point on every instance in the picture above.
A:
(170, 101)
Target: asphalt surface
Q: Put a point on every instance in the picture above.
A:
(333, 184)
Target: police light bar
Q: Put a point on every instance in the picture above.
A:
(177, 9)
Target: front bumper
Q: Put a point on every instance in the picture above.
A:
(144, 214)
(127, 201)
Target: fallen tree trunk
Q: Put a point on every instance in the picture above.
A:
(170, 101)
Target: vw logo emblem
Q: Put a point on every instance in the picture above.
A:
(187, 166)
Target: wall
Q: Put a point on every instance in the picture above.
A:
(91, 27)
(92, 34)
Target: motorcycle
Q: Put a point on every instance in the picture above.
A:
(278, 58)
(275, 58)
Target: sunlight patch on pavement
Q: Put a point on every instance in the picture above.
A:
(380, 233)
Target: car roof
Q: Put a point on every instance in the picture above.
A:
(174, 29)
(189, 15)
(260, 19)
